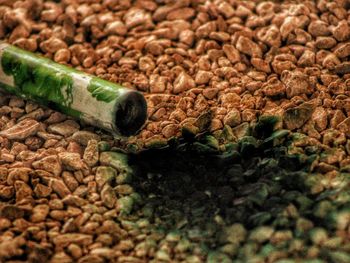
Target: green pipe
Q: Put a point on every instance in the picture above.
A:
(95, 101)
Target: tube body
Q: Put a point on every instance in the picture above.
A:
(93, 100)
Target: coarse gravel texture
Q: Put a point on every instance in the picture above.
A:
(227, 182)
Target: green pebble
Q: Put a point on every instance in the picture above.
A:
(235, 234)
(286, 261)
(143, 223)
(230, 249)
(105, 174)
(316, 260)
(261, 234)
(214, 257)
(183, 245)
(173, 236)
(267, 250)
(193, 259)
(103, 146)
(163, 255)
(125, 205)
(338, 257)
(212, 142)
(248, 144)
(116, 160)
(318, 235)
(259, 196)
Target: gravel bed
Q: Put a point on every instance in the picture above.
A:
(245, 156)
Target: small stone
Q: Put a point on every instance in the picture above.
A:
(12, 212)
(241, 130)
(205, 29)
(233, 118)
(319, 28)
(50, 164)
(157, 83)
(65, 128)
(137, 17)
(307, 59)
(117, 160)
(39, 213)
(70, 181)
(67, 239)
(215, 125)
(226, 9)
(216, 256)
(170, 130)
(75, 251)
(270, 35)
(203, 77)
(231, 53)
(219, 36)
(108, 196)
(21, 130)
(74, 200)
(116, 28)
(71, 161)
(342, 31)
(320, 118)
(104, 175)
(183, 82)
(83, 137)
(6, 157)
(55, 117)
(235, 233)
(261, 234)
(230, 99)
(7, 192)
(23, 191)
(162, 256)
(5, 224)
(16, 102)
(59, 187)
(325, 42)
(91, 153)
(273, 87)
(344, 126)
(296, 117)
(296, 83)
(103, 252)
(343, 68)
(181, 13)
(248, 47)
(42, 191)
(342, 50)
(125, 205)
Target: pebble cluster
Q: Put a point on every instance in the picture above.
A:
(238, 186)
(239, 59)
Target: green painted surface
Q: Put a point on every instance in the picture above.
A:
(38, 77)
(103, 90)
(35, 77)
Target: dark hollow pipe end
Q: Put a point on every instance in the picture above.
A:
(131, 113)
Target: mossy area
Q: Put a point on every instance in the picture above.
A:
(252, 200)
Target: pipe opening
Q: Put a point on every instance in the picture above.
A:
(131, 113)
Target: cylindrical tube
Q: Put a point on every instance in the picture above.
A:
(93, 100)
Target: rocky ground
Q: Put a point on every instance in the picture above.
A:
(228, 182)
